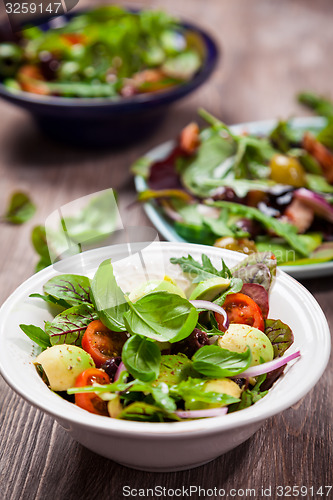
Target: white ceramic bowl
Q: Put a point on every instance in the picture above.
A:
(161, 446)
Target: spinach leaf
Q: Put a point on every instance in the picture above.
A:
(280, 335)
(20, 209)
(193, 393)
(161, 316)
(109, 300)
(285, 230)
(214, 361)
(203, 271)
(144, 412)
(250, 396)
(72, 288)
(141, 358)
(69, 326)
(37, 335)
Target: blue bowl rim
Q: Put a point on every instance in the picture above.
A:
(213, 52)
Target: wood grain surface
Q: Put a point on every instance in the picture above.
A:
(270, 50)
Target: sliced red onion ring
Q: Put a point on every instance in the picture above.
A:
(121, 368)
(211, 412)
(254, 371)
(210, 306)
(318, 204)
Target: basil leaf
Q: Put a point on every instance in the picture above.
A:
(108, 298)
(141, 358)
(161, 316)
(72, 288)
(192, 391)
(203, 271)
(69, 326)
(51, 300)
(20, 209)
(214, 361)
(144, 412)
(37, 335)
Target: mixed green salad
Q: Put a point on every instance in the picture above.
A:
(250, 193)
(160, 352)
(104, 52)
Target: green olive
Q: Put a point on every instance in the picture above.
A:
(287, 170)
(11, 56)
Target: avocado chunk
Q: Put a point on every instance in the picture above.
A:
(210, 289)
(62, 364)
(238, 337)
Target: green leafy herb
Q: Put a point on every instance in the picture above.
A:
(69, 326)
(146, 413)
(108, 298)
(202, 271)
(72, 288)
(142, 358)
(51, 300)
(236, 284)
(192, 391)
(250, 396)
(37, 335)
(39, 241)
(20, 209)
(161, 316)
(214, 361)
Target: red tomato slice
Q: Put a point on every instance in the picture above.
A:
(102, 343)
(89, 401)
(242, 309)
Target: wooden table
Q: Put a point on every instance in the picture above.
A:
(271, 49)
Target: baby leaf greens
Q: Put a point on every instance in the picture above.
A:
(142, 358)
(202, 271)
(214, 361)
(69, 326)
(71, 288)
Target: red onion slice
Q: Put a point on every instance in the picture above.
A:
(210, 306)
(211, 412)
(121, 368)
(318, 204)
(254, 371)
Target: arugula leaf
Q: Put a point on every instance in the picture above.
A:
(285, 230)
(250, 396)
(72, 288)
(202, 271)
(20, 209)
(37, 335)
(321, 105)
(141, 358)
(280, 335)
(192, 391)
(214, 361)
(108, 298)
(161, 316)
(69, 326)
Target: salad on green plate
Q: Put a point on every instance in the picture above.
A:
(161, 352)
(265, 186)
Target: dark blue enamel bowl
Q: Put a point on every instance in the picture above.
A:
(105, 122)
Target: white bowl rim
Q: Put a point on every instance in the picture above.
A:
(255, 414)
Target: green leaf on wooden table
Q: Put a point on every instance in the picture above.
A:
(20, 209)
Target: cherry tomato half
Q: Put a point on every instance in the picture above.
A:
(242, 309)
(90, 401)
(101, 343)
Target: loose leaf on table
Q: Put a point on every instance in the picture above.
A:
(202, 271)
(161, 316)
(214, 361)
(280, 335)
(69, 326)
(37, 335)
(108, 298)
(72, 288)
(20, 209)
(142, 358)
(283, 229)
